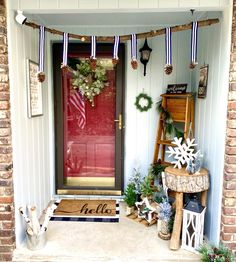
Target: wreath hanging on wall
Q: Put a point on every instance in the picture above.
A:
(143, 102)
(90, 81)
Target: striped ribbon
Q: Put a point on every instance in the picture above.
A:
(168, 42)
(194, 33)
(78, 102)
(41, 48)
(65, 48)
(116, 47)
(93, 47)
(133, 47)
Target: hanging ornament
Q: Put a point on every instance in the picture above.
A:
(194, 33)
(168, 47)
(115, 59)
(64, 66)
(93, 59)
(134, 62)
(41, 74)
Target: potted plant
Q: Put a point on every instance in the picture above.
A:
(211, 253)
(147, 189)
(164, 216)
(130, 198)
(136, 179)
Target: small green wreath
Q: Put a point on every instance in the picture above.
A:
(143, 102)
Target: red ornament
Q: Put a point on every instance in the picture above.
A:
(134, 64)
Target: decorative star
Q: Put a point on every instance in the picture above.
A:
(145, 210)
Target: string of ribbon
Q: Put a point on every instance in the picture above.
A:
(194, 35)
(65, 49)
(168, 41)
(134, 51)
(93, 47)
(41, 75)
(115, 50)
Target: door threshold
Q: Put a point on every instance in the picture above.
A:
(110, 197)
(89, 192)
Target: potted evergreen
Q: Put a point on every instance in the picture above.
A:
(147, 189)
(136, 179)
(130, 198)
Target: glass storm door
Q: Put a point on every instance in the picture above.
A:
(89, 144)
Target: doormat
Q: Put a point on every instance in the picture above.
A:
(86, 210)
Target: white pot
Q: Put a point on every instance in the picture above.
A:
(129, 210)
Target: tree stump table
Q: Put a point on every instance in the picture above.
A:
(180, 181)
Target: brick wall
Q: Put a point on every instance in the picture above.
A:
(7, 234)
(228, 219)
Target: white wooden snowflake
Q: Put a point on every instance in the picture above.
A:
(182, 153)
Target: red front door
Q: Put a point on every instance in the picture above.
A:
(91, 150)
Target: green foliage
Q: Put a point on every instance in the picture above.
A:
(146, 186)
(143, 102)
(89, 81)
(169, 127)
(211, 253)
(136, 179)
(160, 196)
(130, 195)
(156, 169)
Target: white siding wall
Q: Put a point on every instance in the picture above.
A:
(119, 4)
(214, 46)
(31, 137)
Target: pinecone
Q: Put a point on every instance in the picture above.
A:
(41, 77)
(93, 63)
(134, 64)
(168, 69)
(64, 68)
(115, 61)
(192, 65)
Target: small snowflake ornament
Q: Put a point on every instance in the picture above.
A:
(183, 152)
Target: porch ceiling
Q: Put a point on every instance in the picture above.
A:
(124, 19)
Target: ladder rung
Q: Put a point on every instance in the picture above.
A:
(165, 142)
(177, 120)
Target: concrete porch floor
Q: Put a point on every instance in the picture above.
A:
(100, 242)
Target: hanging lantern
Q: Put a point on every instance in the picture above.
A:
(193, 225)
(145, 55)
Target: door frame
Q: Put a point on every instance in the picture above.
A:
(103, 49)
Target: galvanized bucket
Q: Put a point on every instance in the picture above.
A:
(35, 242)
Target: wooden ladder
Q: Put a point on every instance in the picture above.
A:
(181, 109)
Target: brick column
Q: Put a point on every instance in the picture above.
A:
(7, 227)
(228, 217)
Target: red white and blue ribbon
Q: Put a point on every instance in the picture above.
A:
(116, 47)
(194, 35)
(93, 47)
(134, 62)
(133, 47)
(65, 49)
(168, 46)
(41, 50)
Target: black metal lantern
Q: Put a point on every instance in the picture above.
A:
(145, 55)
(194, 205)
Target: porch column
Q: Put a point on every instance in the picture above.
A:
(228, 213)
(7, 227)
